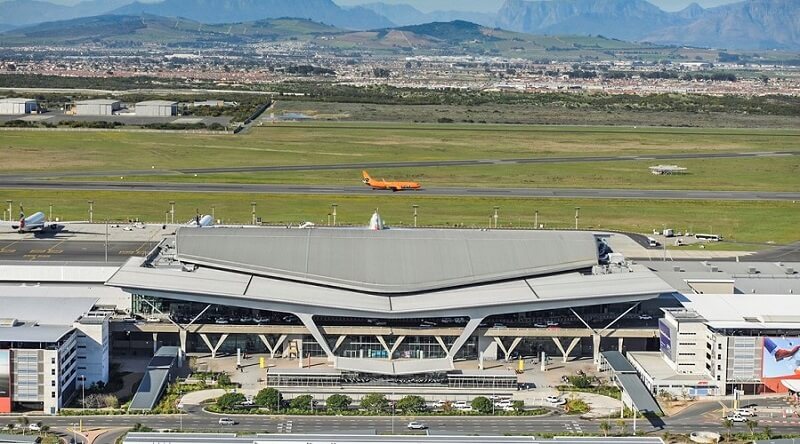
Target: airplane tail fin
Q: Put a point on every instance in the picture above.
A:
(365, 177)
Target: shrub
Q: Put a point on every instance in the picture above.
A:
(338, 403)
(229, 401)
(375, 403)
(581, 382)
(302, 402)
(269, 398)
(482, 405)
(411, 404)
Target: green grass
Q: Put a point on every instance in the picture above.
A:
(332, 143)
(738, 221)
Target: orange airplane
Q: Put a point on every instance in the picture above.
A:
(384, 185)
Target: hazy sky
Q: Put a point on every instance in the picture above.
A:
(478, 5)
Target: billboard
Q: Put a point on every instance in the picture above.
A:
(781, 360)
(666, 333)
(5, 381)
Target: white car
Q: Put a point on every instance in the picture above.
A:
(735, 417)
(226, 421)
(503, 403)
(34, 427)
(552, 324)
(414, 425)
(745, 412)
(555, 400)
(540, 325)
(153, 319)
(645, 317)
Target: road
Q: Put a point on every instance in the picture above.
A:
(201, 421)
(572, 193)
(411, 164)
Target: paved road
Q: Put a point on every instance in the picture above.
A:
(60, 250)
(576, 193)
(373, 165)
(452, 425)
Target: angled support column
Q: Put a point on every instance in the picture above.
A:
(182, 335)
(575, 342)
(308, 321)
(472, 325)
(513, 347)
(272, 348)
(619, 344)
(619, 317)
(596, 348)
(155, 343)
(441, 343)
(502, 346)
(390, 350)
(339, 341)
(216, 347)
(384, 345)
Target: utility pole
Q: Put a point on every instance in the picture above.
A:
(415, 215)
(91, 211)
(577, 216)
(253, 213)
(172, 211)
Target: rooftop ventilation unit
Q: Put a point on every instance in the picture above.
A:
(8, 322)
(790, 270)
(752, 270)
(714, 269)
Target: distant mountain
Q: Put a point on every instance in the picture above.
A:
(754, 24)
(5, 27)
(454, 32)
(405, 15)
(232, 11)
(26, 12)
(751, 24)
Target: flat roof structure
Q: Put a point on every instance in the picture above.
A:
(25, 320)
(293, 438)
(157, 103)
(97, 102)
(155, 379)
(744, 277)
(390, 274)
(742, 311)
(617, 362)
(641, 398)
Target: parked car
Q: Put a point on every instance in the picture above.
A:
(745, 412)
(414, 425)
(226, 421)
(153, 319)
(503, 403)
(33, 427)
(540, 325)
(552, 324)
(735, 417)
(645, 317)
(556, 400)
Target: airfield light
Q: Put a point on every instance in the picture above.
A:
(253, 213)
(577, 216)
(91, 211)
(334, 213)
(495, 216)
(415, 215)
(172, 211)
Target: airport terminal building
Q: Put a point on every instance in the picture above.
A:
(388, 302)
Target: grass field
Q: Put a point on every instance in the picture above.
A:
(746, 222)
(296, 144)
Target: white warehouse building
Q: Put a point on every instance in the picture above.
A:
(97, 107)
(14, 106)
(157, 108)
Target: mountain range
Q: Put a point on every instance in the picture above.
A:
(750, 24)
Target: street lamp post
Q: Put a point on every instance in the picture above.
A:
(91, 211)
(172, 211)
(416, 207)
(329, 219)
(213, 213)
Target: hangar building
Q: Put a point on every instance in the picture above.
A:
(15, 106)
(97, 107)
(157, 108)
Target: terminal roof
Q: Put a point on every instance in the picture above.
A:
(388, 261)
(746, 311)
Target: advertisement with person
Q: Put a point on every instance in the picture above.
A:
(781, 361)
(5, 381)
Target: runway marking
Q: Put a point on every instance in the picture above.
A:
(7, 251)
(38, 251)
(126, 252)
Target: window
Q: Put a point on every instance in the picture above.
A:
(719, 346)
(53, 360)
(52, 372)
(52, 394)
(719, 355)
(719, 367)
(52, 383)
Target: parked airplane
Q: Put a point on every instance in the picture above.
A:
(36, 221)
(384, 185)
(201, 221)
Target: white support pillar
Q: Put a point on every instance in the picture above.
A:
(384, 345)
(308, 321)
(441, 343)
(596, 348)
(619, 344)
(396, 345)
(575, 341)
(182, 335)
(339, 341)
(216, 347)
(470, 328)
(513, 347)
(500, 344)
(155, 343)
(560, 347)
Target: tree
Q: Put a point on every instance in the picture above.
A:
(728, 424)
(411, 404)
(482, 404)
(751, 426)
(229, 401)
(622, 425)
(767, 430)
(605, 427)
(518, 406)
(581, 382)
(302, 402)
(269, 398)
(338, 403)
(375, 403)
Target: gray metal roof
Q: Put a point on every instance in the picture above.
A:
(16, 100)
(155, 379)
(97, 102)
(157, 103)
(388, 261)
(617, 362)
(641, 397)
(39, 319)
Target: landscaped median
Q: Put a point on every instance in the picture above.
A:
(269, 401)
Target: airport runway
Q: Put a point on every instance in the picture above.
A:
(572, 193)
(374, 165)
(63, 250)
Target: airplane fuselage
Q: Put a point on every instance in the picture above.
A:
(33, 222)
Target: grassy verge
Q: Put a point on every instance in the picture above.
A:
(737, 221)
